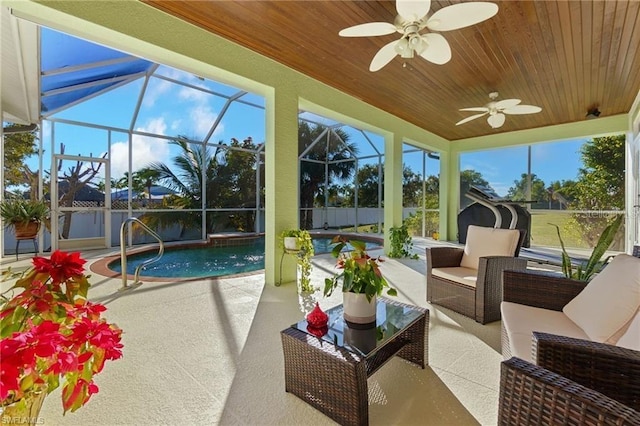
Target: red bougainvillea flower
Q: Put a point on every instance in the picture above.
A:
(9, 376)
(60, 266)
(89, 309)
(51, 335)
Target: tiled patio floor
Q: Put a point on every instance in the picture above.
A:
(209, 352)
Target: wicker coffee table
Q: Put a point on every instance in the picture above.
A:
(330, 372)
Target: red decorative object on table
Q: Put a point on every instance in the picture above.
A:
(317, 321)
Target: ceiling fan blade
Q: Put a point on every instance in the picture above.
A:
(412, 10)
(522, 109)
(507, 103)
(436, 49)
(477, 109)
(384, 56)
(461, 15)
(369, 29)
(473, 117)
(496, 121)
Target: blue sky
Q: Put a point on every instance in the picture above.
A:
(171, 109)
(550, 161)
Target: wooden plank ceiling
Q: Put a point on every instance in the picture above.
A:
(564, 56)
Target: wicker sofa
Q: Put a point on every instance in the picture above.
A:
(550, 321)
(533, 395)
(469, 280)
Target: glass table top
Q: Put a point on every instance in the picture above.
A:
(391, 318)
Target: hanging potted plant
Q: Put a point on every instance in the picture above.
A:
(298, 242)
(361, 279)
(51, 335)
(401, 242)
(24, 215)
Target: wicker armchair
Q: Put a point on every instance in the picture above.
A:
(610, 370)
(533, 395)
(482, 300)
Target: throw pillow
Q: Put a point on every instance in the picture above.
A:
(610, 299)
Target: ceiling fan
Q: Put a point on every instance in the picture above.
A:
(497, 110)
(411, 19)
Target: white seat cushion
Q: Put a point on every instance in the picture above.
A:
(483, 241)
(458, 274)
(610, 299)
(520, 321)
(631, 338)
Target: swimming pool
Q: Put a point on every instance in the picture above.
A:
(209, 261)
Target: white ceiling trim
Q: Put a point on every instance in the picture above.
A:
(20, 65)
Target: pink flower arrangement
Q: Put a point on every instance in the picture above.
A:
(51, 333)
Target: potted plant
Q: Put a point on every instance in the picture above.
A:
(298, 242)
(361, 278)
(584, 272)
(51, 334)
(24, 215)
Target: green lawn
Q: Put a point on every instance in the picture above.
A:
(544, 234)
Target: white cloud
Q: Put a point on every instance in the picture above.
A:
(202, 118)
(191, 94)
(156, 88)
(146, 150)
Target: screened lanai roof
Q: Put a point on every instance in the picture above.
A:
(74, 70)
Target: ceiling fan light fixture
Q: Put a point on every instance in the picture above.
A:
(496, 110)
(413, 16)
(402, 46)
(415, 41)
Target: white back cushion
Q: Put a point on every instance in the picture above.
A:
(610, 299)
(483, 241)
(631, 338)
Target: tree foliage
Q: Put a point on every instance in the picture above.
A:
(17, 148)
(470, 178)
(600, 183)
(600, 186)
(322, 145)
(518, 192)
(368, 185)
(230, 182)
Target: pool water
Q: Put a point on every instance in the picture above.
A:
(206, 261)
(196, 262)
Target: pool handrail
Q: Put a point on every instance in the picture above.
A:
(123, 252)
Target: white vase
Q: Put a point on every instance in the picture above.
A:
(291, 243)
(357, 309)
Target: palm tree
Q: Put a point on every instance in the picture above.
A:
(229, 178)
(146, 178)
(324, 145)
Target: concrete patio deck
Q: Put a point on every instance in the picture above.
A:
(208, 352)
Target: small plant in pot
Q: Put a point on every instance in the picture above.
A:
(361, 278)
(24, 215)
(298, 241)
